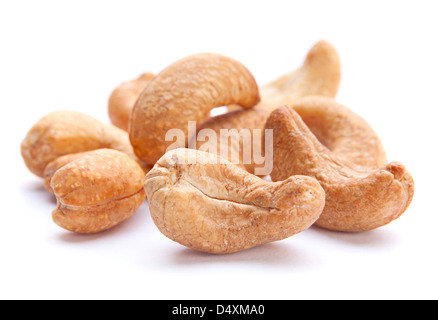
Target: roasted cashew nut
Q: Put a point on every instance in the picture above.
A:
(186, 91)
(97, 191)
(341, 130)
(358, 198)
(319, 75)
(66, 132)
(208, 204)
(123, 98)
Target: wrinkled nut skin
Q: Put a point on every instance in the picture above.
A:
(123, 98)
(57, 164)
(66, 132)
(220, 208)
(239, 119)
(341, 130)
(97, 191)
(186, 91)
(358, 198)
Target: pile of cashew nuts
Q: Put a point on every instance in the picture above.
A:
(329, 167)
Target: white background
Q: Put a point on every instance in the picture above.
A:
(71, 54)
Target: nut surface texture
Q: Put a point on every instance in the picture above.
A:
(358, 198)
(341, 130)
(238, 120)
(97, 191)
(123, 98)
(57, 164)
(66, 132)
(219, 208)
(186, 91)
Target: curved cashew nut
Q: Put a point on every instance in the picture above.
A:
(97, 191)
(186, 91)
(123, 99)
(341, 130)
(65, 132)
(206, 203)
(319, 75)
(357, 198)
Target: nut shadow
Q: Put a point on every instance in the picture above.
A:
(377, 238)
(36, 189)
(272, 254)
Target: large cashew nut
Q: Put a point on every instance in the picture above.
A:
(357, 198)
(186, 91)
(123, 98)
(66, 132)
(206, 203)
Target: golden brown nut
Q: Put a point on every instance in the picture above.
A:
(357, 198)
(206, 203)
(341, 130)
(65, 132)
(319, 75)
(123, 98)
(97, 191)
(186, 91)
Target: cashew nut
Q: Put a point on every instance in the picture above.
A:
(319, 75)
(206, 203)
(358, 198)
(341, 130)
(97, 191)
(65, 132)
(186, 91)
(123, 99)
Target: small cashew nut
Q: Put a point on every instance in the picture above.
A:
(97, 191)
(123, 98)
(358, 198)
(66, 132)
(186, 91)
(206, 203)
